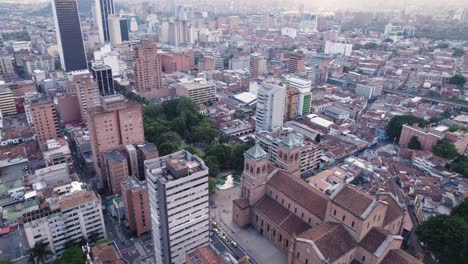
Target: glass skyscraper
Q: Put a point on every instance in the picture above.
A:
(69, 38)
(104, 8)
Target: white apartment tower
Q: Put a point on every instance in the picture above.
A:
(68, 217)
(270, 107)
(179, 205)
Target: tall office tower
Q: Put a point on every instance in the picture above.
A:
(179, 205)
(104, 8)
(304, 87)
(113, 125)
(296, 62)
(87, 92)
(180, 27)
(124, 30)
(148, 70)
(70, 217)
(118, 29)
(44, 119)
(257, 65)
(270, 107)
(69, 38)
(137, 212)
(102, 75)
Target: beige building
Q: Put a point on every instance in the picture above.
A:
(199, 91)
(426, 136)
(7, 102)
(86, 90)
(348, 226)
(66, 217)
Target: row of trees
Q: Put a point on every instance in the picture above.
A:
(446, 236)
(395, 125)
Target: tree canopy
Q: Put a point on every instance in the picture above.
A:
(396, 124)
(444, 149)
(414, 143)
(457, 79)
(446, 236)
(40, 252)
(72, 255)
(460, 165)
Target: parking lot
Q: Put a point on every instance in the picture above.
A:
(249, 240)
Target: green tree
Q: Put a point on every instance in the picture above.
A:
(458, 52)
(388, 40)
(5, 261)
(461, 210)
(396, 123)
(445, 150)
(212, 163)
(222, 153)
(458, 79)
(72, 255)
(371, 46)
(414, 143)
(318, 138)
(237, 156)
(460, 165)
(193, 150)
(212, 185)
(446, 237)
(167, 148)
(169, 136)
(40, 252)
(442, 45)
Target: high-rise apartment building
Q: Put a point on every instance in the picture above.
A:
(148, 71)
(38, 62)
(86, 90)
(44, 119)
(257, 65)
(113, 125)
(304, 87)
(7, 101)
(102, 75)
(136, 203)
(179, 205)
(67, 217)
(69, 38)
(180, 27)
(104, 8)
(296, 62)
(270, 107)
(6, 64)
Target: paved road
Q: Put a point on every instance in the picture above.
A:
(128, 249)
(14, 246)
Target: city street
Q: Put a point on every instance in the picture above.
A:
(131, 251)
(248, 240)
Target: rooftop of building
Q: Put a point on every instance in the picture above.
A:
(133, 184)
(77, 198)
(174, 166)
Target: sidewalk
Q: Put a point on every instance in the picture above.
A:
(258, 247)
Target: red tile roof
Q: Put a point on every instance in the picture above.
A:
(373, 239)
(302, 193)
(353, 200)
(398, 256)
(279, 215)
(393, 209)
(331, 239)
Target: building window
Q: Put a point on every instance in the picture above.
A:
(344, 217)
(297, 254)
(256, 218)
(352, 224)
(307, 261)
(334, 212)
(295, 210)
(363, 258)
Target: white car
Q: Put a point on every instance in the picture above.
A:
(233, 243)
